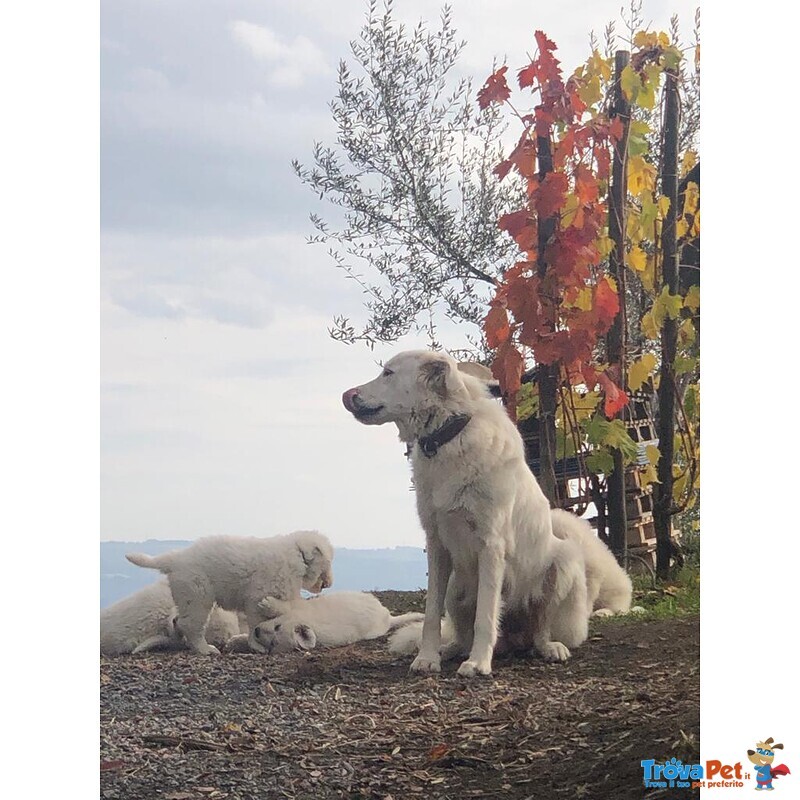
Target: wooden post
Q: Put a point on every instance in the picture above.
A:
(547, 374)
(617, 514)
(662, 506)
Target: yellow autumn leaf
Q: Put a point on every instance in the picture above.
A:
(637, 259)
(630, 82)
(597, 65)
(649, 475)
(692, 299)
(653, 454)
(583, 301)
(648, 277)
(591, 91)
(605, 244)
(687, 162)
(686, 333)
(649, 327)
(640, 371)
(570, 210)
(663, 206)
(641, 176)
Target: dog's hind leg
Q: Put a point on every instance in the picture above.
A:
(194, 599)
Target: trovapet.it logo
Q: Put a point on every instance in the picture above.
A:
(714, 774)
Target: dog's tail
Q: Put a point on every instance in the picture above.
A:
(405, 619)
(162, 562)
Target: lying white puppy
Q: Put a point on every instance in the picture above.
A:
(330, 620)
(145, 621)
(485, 517)
(237, 573)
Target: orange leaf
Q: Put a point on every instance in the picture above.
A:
(606, 303)
(615, 398)
(495, 90)
(496, 326)
(507, 367)
(551, 194)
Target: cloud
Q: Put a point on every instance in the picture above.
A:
(291, 62)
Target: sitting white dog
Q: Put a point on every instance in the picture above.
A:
(608, 590)
(145, 621)
(237, 573)
(485, 517)
(330, 620)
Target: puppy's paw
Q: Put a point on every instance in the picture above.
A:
(637, 610)
(424, 663)
(554, 651)
(603, 612)
(453, 650)
(470, 668)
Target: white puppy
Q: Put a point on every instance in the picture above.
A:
(485, 517)
(145, 621)
(608, 587)
(330, 620)
(237, 573)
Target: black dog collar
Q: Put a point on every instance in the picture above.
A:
(431, 443)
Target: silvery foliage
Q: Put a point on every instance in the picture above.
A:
(411, 171)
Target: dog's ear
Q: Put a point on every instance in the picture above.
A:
(483, 374)
(440, 377)
(271, 607)
(777, 747)
(751, 752)
(304, 637)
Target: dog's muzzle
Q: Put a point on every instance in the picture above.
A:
(353, 403)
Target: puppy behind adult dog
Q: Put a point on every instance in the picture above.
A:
(145, 621)
(608, 587)
(330, 620)
(485, 517)
(237, 573)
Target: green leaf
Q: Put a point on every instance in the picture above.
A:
(630, 82)
(600, 462)
(684, 364)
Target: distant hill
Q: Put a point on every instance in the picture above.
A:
(401, 568)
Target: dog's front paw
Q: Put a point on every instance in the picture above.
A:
(554, 651)
(255, 645)
(470, 668)
(603, 612)
(206, 650)
(425, 663)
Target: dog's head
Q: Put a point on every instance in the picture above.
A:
(282, 635)
(316, 552)
(411, 385)
(764, 753)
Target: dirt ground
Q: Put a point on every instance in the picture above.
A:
(352, 722)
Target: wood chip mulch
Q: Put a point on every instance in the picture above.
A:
(352, 722)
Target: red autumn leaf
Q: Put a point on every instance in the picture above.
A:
(495, 90)
(551, 194)
(502, 169)
(544, 120)
(615, 398)
(585, 185)
(438, 751)
(527, 75)
(524, 156)
(616, 129)
(507, 367)
(606, 304)
(496, 326)
(549, 69)
(514, 222)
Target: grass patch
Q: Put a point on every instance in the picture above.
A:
(678, 597)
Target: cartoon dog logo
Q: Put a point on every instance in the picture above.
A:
(762, 757)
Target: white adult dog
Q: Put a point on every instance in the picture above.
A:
(486, 519)
(237, 573)
(608, 588)
(330, 620)
(145, 621)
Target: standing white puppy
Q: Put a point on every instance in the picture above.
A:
(484, 515)
(237, 573)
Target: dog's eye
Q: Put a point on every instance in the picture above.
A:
(387, 372)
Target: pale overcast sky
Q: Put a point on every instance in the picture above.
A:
(221, 389)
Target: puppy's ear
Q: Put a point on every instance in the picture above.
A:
(271, 607)
(476, 370)
(304, 637)
(440, 378)
(777, 747)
